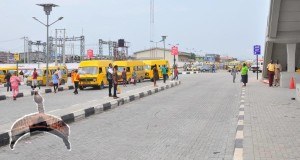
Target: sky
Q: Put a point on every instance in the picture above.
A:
(225, 27)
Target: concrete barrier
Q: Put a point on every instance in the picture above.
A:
(2, 97)
(48, 90)
(71, 87)
(20, 95)
(60, 89)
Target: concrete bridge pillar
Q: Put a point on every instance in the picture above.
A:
(291, 57)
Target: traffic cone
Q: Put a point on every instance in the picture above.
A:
(292, 83)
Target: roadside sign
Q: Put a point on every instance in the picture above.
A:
(174, 50)
(257, 50)
(90, 53)
(17, 57)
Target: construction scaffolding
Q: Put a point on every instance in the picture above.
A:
(60, 43)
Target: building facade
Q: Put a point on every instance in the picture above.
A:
(159, 53)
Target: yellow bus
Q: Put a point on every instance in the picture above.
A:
(42, 75)
(149, 64)
(131, 65)
(4, 70)
(93, 73)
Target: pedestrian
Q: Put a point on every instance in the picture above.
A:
(134, 77)
(109, 77)
(233, 73)
(14, 81)
(7, 79)
(21, 76)
(271, 72)
(34, 82)
(278, 69)
(175, 73)
(55, 81)
(115, 81)
(155, 75)
(244, 74)
(164, 73)
(213, 68)
(124, 77)
(76, 82)
(59, 76)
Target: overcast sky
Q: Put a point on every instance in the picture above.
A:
(226, 27)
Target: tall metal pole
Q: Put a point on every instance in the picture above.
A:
(56, 47)
(47, 51)
(24, 54)
(164, 49)
(257, 66)
(64, 48)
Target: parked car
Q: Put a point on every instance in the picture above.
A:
(205, 68)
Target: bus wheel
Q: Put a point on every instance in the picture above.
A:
(80, 87)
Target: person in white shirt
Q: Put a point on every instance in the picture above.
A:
(109, 79)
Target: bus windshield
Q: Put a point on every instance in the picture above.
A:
(88, 70)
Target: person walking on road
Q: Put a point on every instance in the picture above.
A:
(7, 79)
(34, 82)
(134, 77)
(164, 73)
(115, 81)
(76, 82)
(155, 75)
(55, 81)
(278, 69)
(59, 76)
(244, 74)
(15, 81)
(109, 77)
(271, 72)
(175, 73)
(233, 73)
(124, 77)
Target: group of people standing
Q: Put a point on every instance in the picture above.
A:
(274, 73)
(274, 70)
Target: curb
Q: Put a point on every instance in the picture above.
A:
(190, 72)
(47, 90)
(86, 112)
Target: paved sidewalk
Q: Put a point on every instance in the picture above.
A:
(272, 123)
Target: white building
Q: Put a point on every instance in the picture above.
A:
(159, 53)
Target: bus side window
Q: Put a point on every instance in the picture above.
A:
(100, 70)
(128, 69)
(4, 71)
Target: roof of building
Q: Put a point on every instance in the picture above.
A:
(180, 52)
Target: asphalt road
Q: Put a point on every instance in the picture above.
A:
(12, 110)
(196, 120)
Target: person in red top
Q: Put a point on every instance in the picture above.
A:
(14, 81)
(34, 82)
(175, 73)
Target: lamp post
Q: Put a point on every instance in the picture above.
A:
(47, 9)
(164, 39)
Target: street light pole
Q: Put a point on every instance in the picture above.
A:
(47, 9)
(47, 51)
(164, 39)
